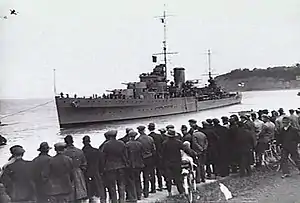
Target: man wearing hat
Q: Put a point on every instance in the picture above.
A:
(17, 178)
(278, 121)
(58, 175)
(149, 152)
(125, 139)
(288, 138)
(294, 119)
(39, 165)
(225, 121)
(163, 133)
(193, 125)
(172, 160)
(115, 161)
(158, 140)
(94, 183)
(264, 137)
(136, 164)
(80, 165)
(223, 147)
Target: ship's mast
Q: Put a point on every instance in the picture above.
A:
(54, 82)
(209, 64)
(163, 19)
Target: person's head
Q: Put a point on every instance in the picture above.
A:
(184, 129)
(141, 129)
(297, 112)
(12, 148)
(171, 133)
(162, 131)
(44, 147)
(132, 134)
(265, 111)
(253, 116)
(69, 140)
(192, 123)
(86, 140)
(151, 126)
(209, 121)
(60, 147)
(292, 111)
(111, 134)
(225, 120)
(128, 130)
(234, 118)
(265, 118)
(281, 111)
(168, 127)
(243, 118)
(18, 151)
(286, 121)
(215, 121)
(205, 124)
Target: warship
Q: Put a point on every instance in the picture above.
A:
(154, 95)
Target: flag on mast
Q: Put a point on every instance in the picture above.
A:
(162, 20)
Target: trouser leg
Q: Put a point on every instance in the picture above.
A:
(168, 174)
(284, 162)
(121, 184)
(295, 157)
(137, 178)
(130, 186)
(146, 178)
(178, 179)
(159, 176)
(102, 189)
(152, 178)
(111, 177)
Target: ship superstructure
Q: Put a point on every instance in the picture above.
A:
(153, 95)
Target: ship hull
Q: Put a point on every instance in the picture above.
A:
(86, 111)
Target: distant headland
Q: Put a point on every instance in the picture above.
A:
(272, 78)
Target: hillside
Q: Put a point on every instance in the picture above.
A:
(281, 77)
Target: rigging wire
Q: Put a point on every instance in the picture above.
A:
(25, 110)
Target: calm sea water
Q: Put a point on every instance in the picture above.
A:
(32, 127)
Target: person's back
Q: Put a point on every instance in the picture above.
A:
(295, 121)
(158, 140)
(148, 145)
(268, 132)
(171, 151)
(59, 175)
(135, 154)
(115, 155)
(21, 183)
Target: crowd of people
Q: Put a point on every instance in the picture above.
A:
(218, 148)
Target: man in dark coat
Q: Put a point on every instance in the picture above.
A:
(246, 144)
(59, 176)
(172, 160)
(212, 149)
(149, 152)
(79, 168)
(39, 165)
(158, 140)
(115, 162)
(193, 125)
(92, 174)
(17, 178)
(233, 133)
(125, 139)
(136, 164)
(223, 147)
(288, 137)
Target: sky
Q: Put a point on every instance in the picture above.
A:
(96, 45)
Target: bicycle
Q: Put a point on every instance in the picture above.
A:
(189, 179)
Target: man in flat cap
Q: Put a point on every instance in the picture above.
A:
(59, 175)
(136, 164)
(172, 160)
(115, 162)
(158, 140)
(17, 178)
(193, 125)
(149, 152)
(39, 165)
(294, 119)
(94, 183)
(125, 139)
(225, 121)
(223, 147)
(79, 167)
(278, 121)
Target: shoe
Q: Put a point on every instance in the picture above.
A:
(160, 189)
(139, 198)
(169, 194)
(203, 181)
(286, 175)
(152, 191)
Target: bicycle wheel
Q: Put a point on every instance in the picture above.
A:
(190, 187)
